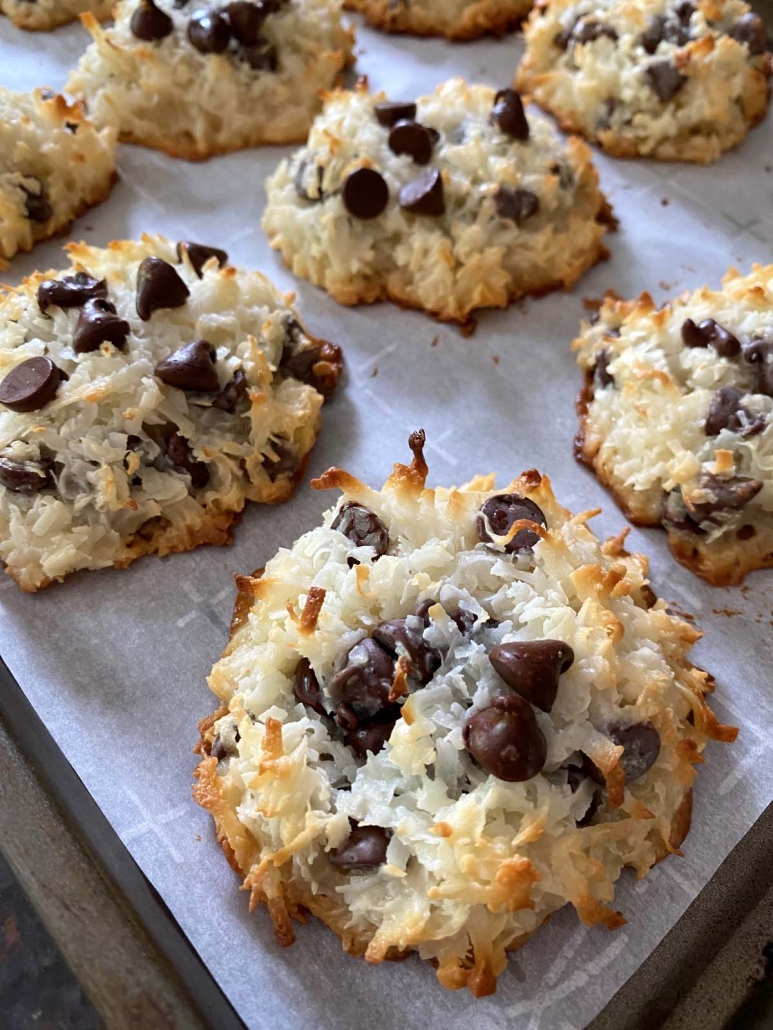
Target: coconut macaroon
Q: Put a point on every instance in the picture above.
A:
(42, 15)
(454, 19)
(669, 79)
(444, 714)
(146, 394)
(455, 202)
(676, 419)
(207, 79)
(54, 166)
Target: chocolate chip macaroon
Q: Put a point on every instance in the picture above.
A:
(54, 166)
(450, 713)
(206, 77)
(676, 418)
(454, 19)
(146, 394)
(44, 15)
(674, 80)
(452, 202)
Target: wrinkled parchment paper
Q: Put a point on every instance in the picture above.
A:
(115, 662)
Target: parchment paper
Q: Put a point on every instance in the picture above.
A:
(115, 662)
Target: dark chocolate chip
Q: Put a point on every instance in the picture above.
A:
(684, 10)
(98, 323)
(220, 749)
(406, 637)
(261, 56)
(246, 21)
(674, 514)
(373, 735)
(390, 113)
(760, 353)
(509, 115)
(365, 193)
(464, 620)
(725, 412)
(424, 194)
(158, 286)
(601, 374)
(561, 39)
(72, 291)
(532, 668)
(364, 848)
(664, 79)
(209, 32)
(363, 527)
(413, 139)
(750, 29)
(299, 182)
(190, 367)
(306, 687)
(590, 30)
(515, 205)
(319, 364)
(30, 385)
(179, 452)
(365, 679)
(285, 463)
(500, 512)
(37, 204)
(641, 746)
(727, 496)
(710, 332)
(505, 739)
(150, 23)
(692, 336)
(232, 394)
(200, 253)
(660, 29)
(24, 477)
(345, 717)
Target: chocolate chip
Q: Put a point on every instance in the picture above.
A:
(750, 29)
(345, 717)
(561, 39)
(150, 23)
(72, 291)
(509, 115)
(728, 496)
(209, 32)
(424, 195)
(24, 477)
(725, 413)
(590, 30)
(601, 375)
(710, 332)
(373, 735)
(246, 21)
(365, 679)
(532, 668)
(365, 193)
(515, 205)
(364, 848)
(318, 364)
(500, 512)
(413, 139)
(299, 182)
(30, 385)
(684, 10)
(390, 113)
(760, 353)
(200, 253)
(463, 619)
(641, 746)
(505, 740)
(363, 527)
(232, 394)
(664, 79)
(158, 286)
(179, 452)
(190, 367)
(674, 513)
(660, 29)
(37, 204)
(98, 323)
(406, 637)
(306, 687)
(285, 463)
(261, 56)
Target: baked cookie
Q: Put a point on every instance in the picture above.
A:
(198, 80)
(54, 166)
(448, 714)
(454, 19)
(455, 202)
(147, 393)
(676, 418)
(669, 79)
(42, 15)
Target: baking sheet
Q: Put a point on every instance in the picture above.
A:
(115, 662)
